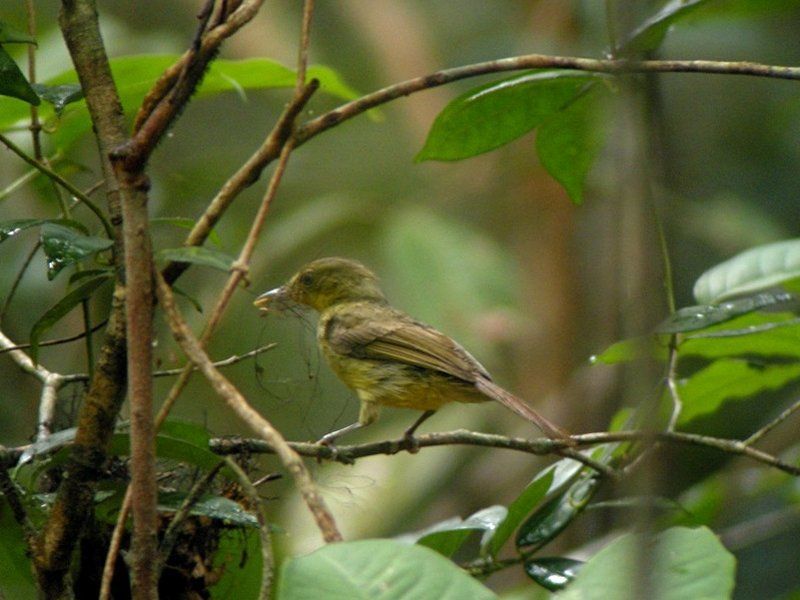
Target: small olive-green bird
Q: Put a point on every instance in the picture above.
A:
(384, 355)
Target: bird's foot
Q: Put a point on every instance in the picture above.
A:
(335, 455)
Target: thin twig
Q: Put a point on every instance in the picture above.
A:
(757, 435)
(535, 61)
(234, 399)
(53, 176)
(57, 341)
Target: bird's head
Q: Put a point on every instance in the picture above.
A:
(323, 283)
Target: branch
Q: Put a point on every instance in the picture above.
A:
(535, 61)
(540, 447)
(191, 346)
(53, 176)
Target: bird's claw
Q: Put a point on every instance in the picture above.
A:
(410, 442)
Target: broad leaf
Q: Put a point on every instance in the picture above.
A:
(376, 569)
(61, 309)
(239, 560)
(494, 114)
(13, 82)
(568, 142)
(17, 580)
(63, 246)
(683, 563)
(728, 380)
(754, 269)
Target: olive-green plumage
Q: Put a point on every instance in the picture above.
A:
(384, 355)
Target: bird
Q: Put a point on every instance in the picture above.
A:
(384, 355)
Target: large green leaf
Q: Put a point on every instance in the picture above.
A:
(62, 308)
(568, 142)
(63, 246)
(135, 75)
(730, 379)
(766, 336)
(682, 563)
(494, 114)
(378, 570)
(754, 269)
(13, 83)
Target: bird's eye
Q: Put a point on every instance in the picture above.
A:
(306, 279)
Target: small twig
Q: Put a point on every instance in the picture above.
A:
(171, 533)
(772, 424)
(62, 182)
(268, 563)
(542, 446)
(17, 280)
(57, 341)
(234, 399)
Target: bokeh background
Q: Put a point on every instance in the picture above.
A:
(490, 250)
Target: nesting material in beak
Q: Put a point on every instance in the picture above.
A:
(276, 300)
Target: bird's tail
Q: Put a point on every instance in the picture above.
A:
(510, 401)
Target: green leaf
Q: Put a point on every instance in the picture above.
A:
(448, 536)
(568, 142)
(754, 269)
(59, 95)
(727, 380)
(520, 508)
(494, 114)
(10, 35)
(61, 309)
(197, 255)
(376, 569)
(692, 318)
(64, 246)
(650, 34)
(684, 563)
(761, 335)
(552, 573)
(135, 75)
(13, 83)
(631, 349)
(17, 581)
(554, 516)
(11, 228)
(239, 559)
(214, 507)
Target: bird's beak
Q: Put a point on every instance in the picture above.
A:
(273, 300)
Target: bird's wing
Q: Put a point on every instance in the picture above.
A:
(393, 335)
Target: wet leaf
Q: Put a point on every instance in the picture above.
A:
(59, 95)
(552, 573)
(692, 318)
(63, 246)
(197, 255)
